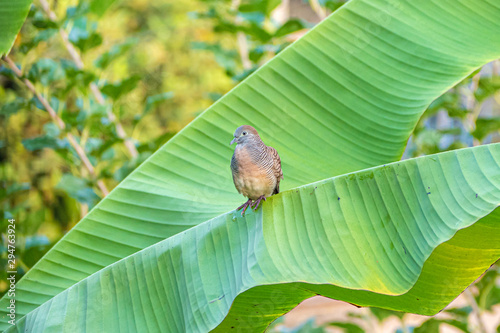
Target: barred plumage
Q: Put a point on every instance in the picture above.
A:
(256, 168)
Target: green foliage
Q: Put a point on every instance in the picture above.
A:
(487, 87)
(289, 27)
(489, 290)
(485, 127)
(105, 59)
(35, 152)
(101, 6)
(45, 141)
(382, 314)
(46, 71)
(347, 327)
(153, 101)
(115, 90)
(78, 189)
(264, 7)
(263, 36)
(13, 107)
(83, 34)
(225, 58)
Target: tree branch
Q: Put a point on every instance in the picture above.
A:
(472, 105)
(59, 122)
(320, 11)
(75, 55)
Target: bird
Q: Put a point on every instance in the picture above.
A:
(256, 168)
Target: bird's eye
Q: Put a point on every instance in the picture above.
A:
(244, 133)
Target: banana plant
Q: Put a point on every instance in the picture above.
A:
(166, 251)
(13, 14)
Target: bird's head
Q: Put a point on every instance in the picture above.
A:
(244, 134)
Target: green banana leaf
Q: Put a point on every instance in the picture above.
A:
(344, 98)
(363, 236)
(12, 15)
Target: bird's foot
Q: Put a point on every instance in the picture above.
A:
(257, 202)
(245, 206)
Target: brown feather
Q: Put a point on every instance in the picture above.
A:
(278, 173)
(256, 168)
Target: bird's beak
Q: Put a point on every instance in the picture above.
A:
(232, 141)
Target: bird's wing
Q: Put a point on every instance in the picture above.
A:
(234, 171)
(277, 163)
(234, 164)
(278, 173)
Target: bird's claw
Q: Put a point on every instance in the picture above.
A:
(245, 206)
(256, 203)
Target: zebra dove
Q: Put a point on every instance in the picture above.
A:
(256, 167)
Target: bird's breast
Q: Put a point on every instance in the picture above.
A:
(251, 179)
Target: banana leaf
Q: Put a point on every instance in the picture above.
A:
(12, 16)
(363, 237)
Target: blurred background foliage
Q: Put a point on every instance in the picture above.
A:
(125, 76)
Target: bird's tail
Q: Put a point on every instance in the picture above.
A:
(276, 189)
